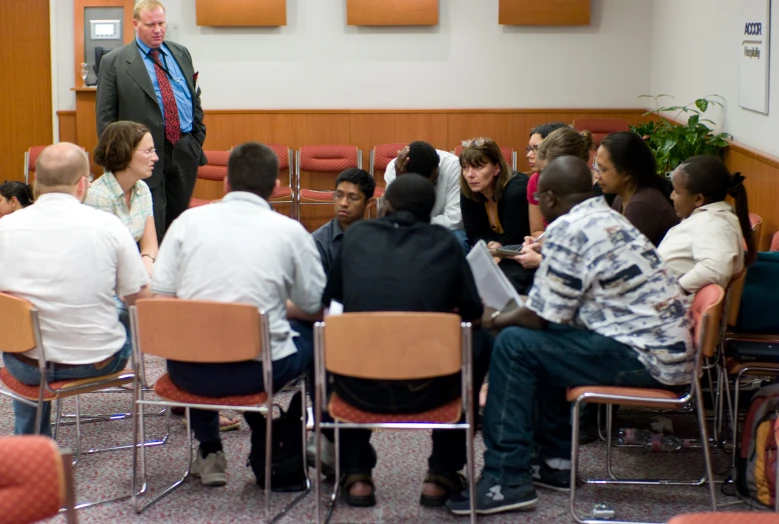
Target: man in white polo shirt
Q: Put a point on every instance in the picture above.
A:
(69, 260)
(240, 250)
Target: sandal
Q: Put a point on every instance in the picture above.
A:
(227, 423)
(358, 501)
(451, 484)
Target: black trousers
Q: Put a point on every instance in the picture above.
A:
(179, 173)
(449, 454)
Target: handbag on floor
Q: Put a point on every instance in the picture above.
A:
(756, 460)
(287, 472)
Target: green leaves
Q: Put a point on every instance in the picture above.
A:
(673, 143)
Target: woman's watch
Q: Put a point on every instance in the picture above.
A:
(495, 314)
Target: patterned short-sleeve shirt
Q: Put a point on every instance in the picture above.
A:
(105, 193)
(599, 272)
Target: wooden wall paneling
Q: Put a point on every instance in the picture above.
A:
(67, 127)
(544, 12)
(86, 124)
(27, 115)
(267, 13)
(392, 12)
(762, 184)
(78, 24)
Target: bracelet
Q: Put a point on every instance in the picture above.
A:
(148, 255)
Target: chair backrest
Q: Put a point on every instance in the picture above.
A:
(733, 297)
(17, 332)
(508, 153)
(199, 330)
(706, 313)
(756, 221)
(775, 242)
(216, 168)
(284, 153)
(393, 346)
(35, 480)
(30, 157)
(328, 158)
(383, 154)
(600, 127)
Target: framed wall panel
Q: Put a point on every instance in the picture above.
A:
(267, 13)
(544, 12)
(79, 7)
(392, 12)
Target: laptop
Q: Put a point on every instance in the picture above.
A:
(754, 351)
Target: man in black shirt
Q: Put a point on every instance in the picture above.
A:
(408, 265)
(354, 189)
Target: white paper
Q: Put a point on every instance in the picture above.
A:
(494, 287)
(336, 308)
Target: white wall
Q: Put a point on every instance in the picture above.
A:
(467, 61)
(695, 52)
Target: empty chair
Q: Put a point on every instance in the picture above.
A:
(284, 194)
(30, 157)
(329, 159)
(381, 156)
(210, 179)
(600, 127)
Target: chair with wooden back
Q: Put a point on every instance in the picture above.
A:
(404, 346)
(206, 332)
(706, 310)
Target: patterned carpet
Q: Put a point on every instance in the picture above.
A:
(398, 477)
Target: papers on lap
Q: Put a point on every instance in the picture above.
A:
(494, 288)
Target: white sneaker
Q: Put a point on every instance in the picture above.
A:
(328, 455)
(212, 470)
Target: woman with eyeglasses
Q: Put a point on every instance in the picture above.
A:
(537, 136)
(14, 196)
(126, 153)
(625, 166)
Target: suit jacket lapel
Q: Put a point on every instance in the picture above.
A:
(138, 72)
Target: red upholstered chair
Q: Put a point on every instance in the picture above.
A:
(751, 517)
(775, 242)
(203, 332)
(706, 311)
(600, 127)
(328, 159)
(209, 186)
(756, 221)
(380, 157)
(19, 333)
(403, 346)
(30, 157)
(284, 194)
(508, 153)
(36, 480)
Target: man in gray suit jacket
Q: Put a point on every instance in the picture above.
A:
(153, 82)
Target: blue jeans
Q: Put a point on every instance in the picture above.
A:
(24, 423)
(239, 378)
(530, 367)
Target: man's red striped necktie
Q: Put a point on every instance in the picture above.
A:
(171, 110)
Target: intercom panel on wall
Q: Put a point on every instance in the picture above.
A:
(103, 31)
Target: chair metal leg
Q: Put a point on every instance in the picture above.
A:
(470, 454)
(268, 446)
(609, 421)
(704, 441)
(575, 456)
(734, 435)
(55, 429)
(77, 455)
(334, 494)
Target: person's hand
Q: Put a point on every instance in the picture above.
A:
(401, 162)
(496, 260)
(529, 241)
(487, 320)
(529, 258)
(494, 245)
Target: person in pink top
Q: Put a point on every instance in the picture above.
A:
(537, 135)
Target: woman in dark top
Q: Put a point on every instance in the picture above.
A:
(626, 167)
(493, 201)
(493, 197)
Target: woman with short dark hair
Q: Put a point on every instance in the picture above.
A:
(14, 196)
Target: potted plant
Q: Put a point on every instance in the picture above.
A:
(672, 142)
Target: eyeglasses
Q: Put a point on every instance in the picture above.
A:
(90, 178)
(149, 151)
(534, 149)
(595, 166)
(478, 142)
(351, 197)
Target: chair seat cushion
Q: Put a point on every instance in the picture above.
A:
(310, 195)
(281, 192)
(167, 390)
(342, 411)
(31, 392)
(378, 192)
(644, 396)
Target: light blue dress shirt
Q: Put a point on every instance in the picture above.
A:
(177, 82)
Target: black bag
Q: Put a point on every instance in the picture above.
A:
(287, 473)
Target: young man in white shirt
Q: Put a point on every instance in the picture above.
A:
(603, 310)
(69, 260)
(443, 170)
(240, 250)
